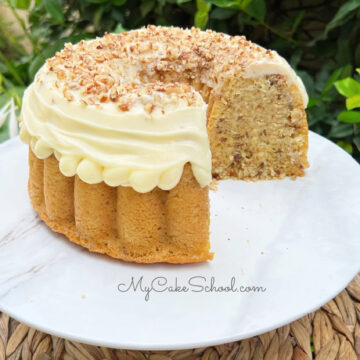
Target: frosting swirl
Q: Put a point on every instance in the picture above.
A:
(142, 147)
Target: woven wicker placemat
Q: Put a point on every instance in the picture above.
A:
(330, 333)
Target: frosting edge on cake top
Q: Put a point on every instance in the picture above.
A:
(101, 107)
(152, 52)
(143, 146)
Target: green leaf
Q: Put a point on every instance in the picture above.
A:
(202, 14)
(340, 130)
(344, 52)
(297, 21)
(296, 57)
(118, 2)
(98, 16)
(4, 132)
(34, 66)
(257, 9)
(96, 1)
(203, 6)
(117, 15)
(201, 19)
(357, 54)
(222, 3)
(228, 4)
(353, 102)
(54, 8)
(21, 4)
(10, 66)
(347, 87)
(4, 129)
(356, 141)
(346, 146)
(119, 29)
(308, 82)
(358, 70)
(342, 14)
(349, 117)
(312, 102)
(222, 14)
(17, 93)
(316, 114)
(336, 75)
(146, 6)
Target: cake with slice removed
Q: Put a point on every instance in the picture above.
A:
(126, 132)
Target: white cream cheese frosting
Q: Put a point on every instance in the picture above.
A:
(136, 148)
(277, 65)
(100, 107)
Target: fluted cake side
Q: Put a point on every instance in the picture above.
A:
(157, 226)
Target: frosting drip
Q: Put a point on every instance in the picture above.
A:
(142, 147)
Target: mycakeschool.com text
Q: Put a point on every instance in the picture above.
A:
(194, 284)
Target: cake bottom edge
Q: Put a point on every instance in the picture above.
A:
(69, 230)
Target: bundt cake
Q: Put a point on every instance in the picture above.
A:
(127, 131)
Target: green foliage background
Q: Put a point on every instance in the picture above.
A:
(319, 38)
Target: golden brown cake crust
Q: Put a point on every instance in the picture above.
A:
(159, 226)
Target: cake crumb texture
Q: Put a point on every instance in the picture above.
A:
(258, 130)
